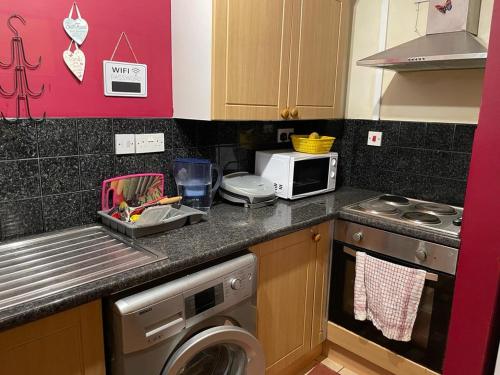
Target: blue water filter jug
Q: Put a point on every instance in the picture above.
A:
(194, 182)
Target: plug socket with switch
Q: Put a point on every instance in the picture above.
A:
(145, 143)
(139, 143)
(124, 144)
(284, 135)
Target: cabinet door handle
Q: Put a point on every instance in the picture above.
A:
(295, 112)
(316, 237)
(285, 113)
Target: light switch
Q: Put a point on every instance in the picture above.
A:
(374, 138)
(124, 144)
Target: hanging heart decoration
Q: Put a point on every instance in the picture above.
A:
(78, 28)
(75, 61)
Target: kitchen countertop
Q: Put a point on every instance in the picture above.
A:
(230, 229)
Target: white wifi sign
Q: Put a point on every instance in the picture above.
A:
(125, 79)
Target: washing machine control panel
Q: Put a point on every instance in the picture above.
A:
(202, 301)
(239, 285)
(220, 293)
(235, 284)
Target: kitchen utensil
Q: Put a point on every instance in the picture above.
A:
(247, 189)
(158, 202)
(135, 190)
(19, 64)
(127, 213)
(194, 182)
(124, 211)
(153, 216)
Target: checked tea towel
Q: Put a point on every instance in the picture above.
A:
(388, 295)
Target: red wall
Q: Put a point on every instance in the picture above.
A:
(478, 271)
(147, 24)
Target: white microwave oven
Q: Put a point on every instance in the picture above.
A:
(295, 174)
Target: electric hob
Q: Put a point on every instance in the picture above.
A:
(434, 217)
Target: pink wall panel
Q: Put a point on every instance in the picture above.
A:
(478, 273)
(147, 24)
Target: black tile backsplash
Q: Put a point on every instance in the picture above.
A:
(463, 137)
(91, 203)
(18, 141)
(129, 164)
(59, 175)
(62, 211)
(21, 217)
(95, 136)
(51, 173)
(439, 137)
(427, 161)
(94, 169)
(19, 179)
(128, 126)
(58, 138)
(411, 134)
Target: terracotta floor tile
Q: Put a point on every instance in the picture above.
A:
(321, 369)
(308, 369)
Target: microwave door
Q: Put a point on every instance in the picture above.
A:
(310, 175)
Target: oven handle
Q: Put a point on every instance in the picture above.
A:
(428, 276)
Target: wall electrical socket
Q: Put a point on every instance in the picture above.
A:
(284, 135)
(124, 144)
(374, 138)
(145, 143)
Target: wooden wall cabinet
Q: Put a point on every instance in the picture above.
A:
(67, 343)
(260, 59)
(292, 296)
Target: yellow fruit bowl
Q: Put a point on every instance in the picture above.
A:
(321, 145)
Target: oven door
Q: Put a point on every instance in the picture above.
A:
(428, 342)
(311, 175)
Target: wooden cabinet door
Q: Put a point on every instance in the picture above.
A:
(67, 343)
(250, 59)
(320, 305)
(285, 297)
(315, 58)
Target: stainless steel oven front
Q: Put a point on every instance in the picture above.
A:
(428, 342)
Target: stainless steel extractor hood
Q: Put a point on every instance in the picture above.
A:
(457, 50)
(438, 50)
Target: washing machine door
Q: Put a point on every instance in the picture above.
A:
(221, 350)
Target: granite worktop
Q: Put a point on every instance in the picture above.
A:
(230, 229)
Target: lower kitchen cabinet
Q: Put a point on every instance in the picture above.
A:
(292, 297)
(67, 343)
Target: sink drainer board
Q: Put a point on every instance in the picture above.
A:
(37, 268)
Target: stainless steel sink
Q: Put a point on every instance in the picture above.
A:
(36, 268)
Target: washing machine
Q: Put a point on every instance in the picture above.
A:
(203, 323)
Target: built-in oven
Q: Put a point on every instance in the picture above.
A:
(428, 342)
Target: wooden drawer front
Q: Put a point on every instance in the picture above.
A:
(67, 343)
